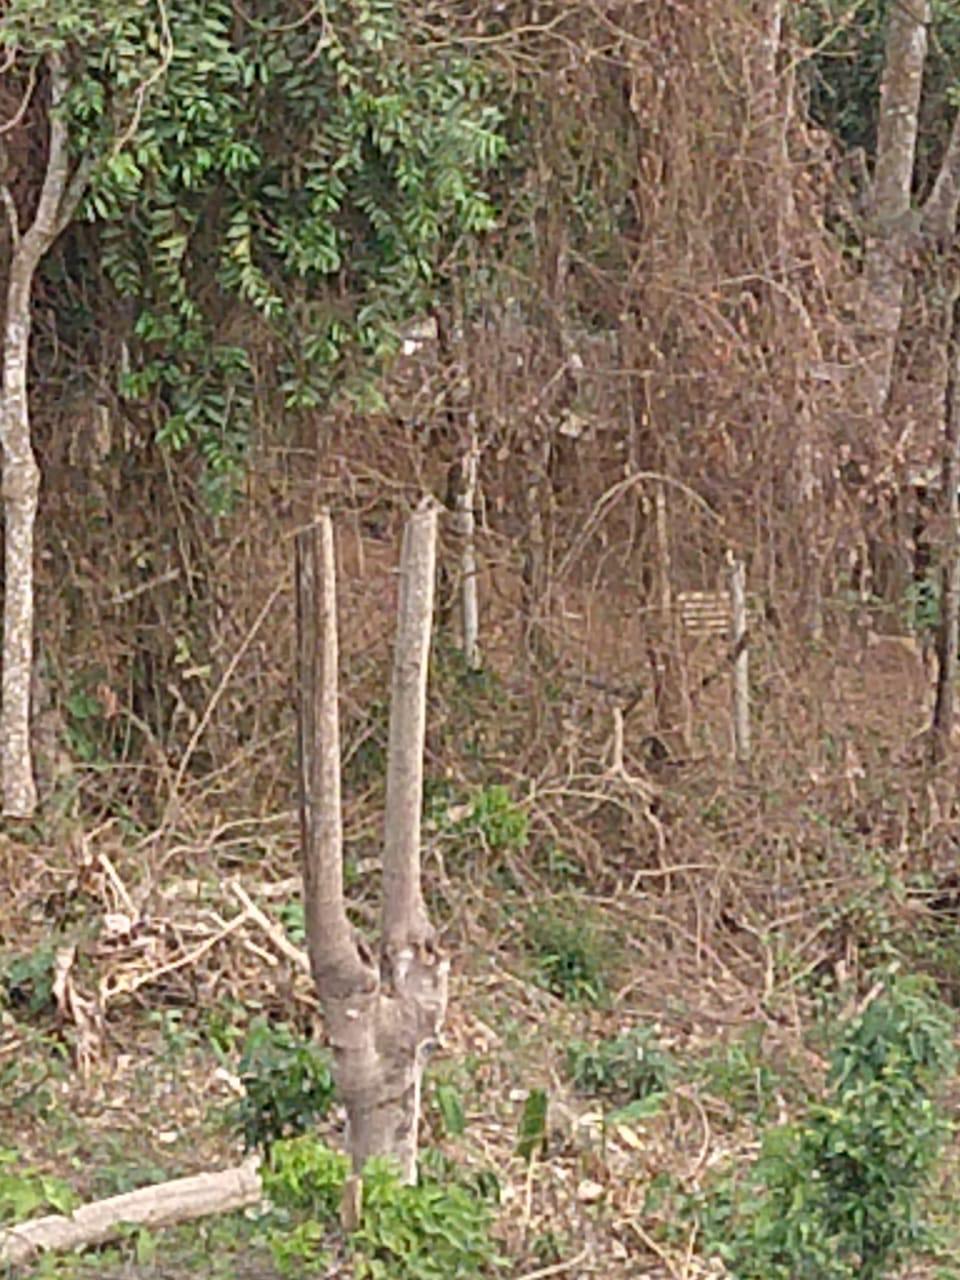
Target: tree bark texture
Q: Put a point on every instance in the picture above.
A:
(948, 639)
(21, 476)
(891, 225)
(382, 1017)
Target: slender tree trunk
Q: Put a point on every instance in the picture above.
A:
(891, 223)
(466, 520)
(948, 639)
(741, 659)
(21, 476)
(21, 483)
(382, 1018)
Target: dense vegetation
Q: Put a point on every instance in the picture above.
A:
(633, 260)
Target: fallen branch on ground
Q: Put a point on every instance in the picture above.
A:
(179, 1200)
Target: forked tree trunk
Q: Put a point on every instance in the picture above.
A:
(383, 1016)
(21, 476)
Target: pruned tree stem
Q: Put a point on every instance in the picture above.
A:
(382, 1019)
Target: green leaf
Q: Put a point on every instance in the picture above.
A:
(532, 1129)
(451, 1109)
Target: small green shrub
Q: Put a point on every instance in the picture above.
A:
(27, 982)
(430, 1231)
(25, 1191)
(496, 820)
(737, 1074)
(621, 1070)
(288, 1085)
(304, 1175)
(840, 1194)
(425, 1232)
(569, 955)
(489, 821)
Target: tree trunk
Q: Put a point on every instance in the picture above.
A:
(891, 223)
(382, 1018)
(949, 634)
(21, 483)
(21, 477)
(466, 520)
(741, 659)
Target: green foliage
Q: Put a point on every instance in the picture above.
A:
(532, 1129)
(921, 605)
(27, 982)
(450, 1105)
(303, 1174)
(25, 1192)
(569, 954)
(840, 1194)
(424, 1232)
(621, 1070)
(490, 820)
(260, 180)
(737, 1073)
(288, 1085)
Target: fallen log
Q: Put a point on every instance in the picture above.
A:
(163, 1205)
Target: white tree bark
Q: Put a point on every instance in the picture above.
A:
(21, 477)
(382, 1018)
(466, 507)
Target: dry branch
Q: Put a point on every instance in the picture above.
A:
(180, 1200)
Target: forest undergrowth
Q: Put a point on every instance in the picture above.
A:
(667, 977)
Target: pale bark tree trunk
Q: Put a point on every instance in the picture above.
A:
(382, 1017)
(891, 222)
(466, 521)
(21, 476)
(949, 635)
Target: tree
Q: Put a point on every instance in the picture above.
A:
(382, 1017)
(303, 183)
(63, 185)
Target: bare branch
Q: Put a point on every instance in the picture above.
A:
(13, 219)
(25, 100)
(73, 195)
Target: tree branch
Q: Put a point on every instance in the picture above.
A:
(338, 967)
(404, 916)
(940, 209)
